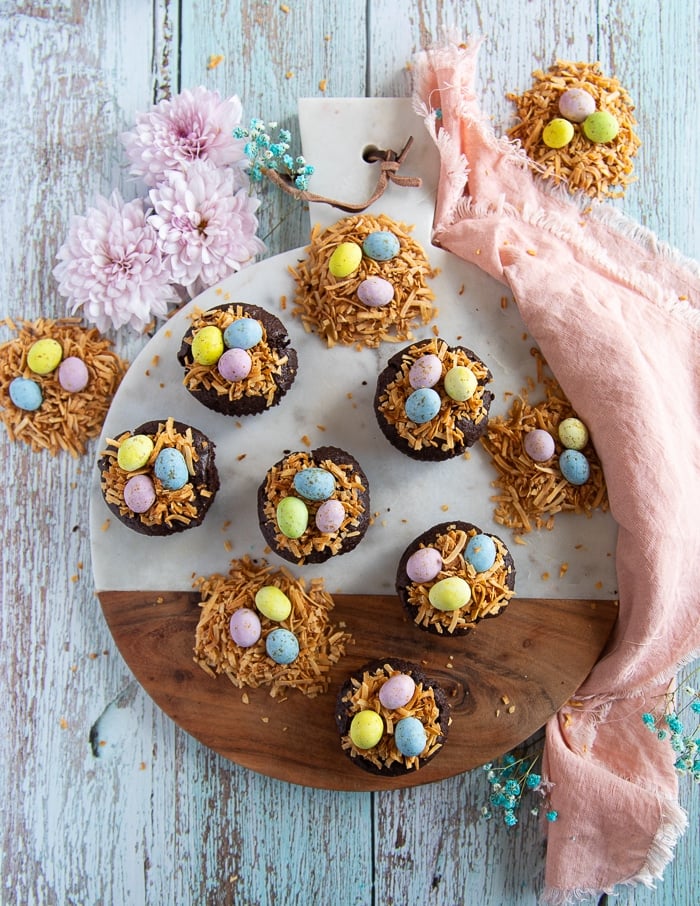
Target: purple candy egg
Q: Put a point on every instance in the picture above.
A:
(329, 516)
(425, 372)
(539, 445)
(139, 493)
(375, 292)
(424, 564)
(235, 364)
(73, 374)
(245, 627)
(397, 691)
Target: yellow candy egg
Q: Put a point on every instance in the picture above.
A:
(135, 452)
(460, 383)
(273, 603)
(208, 345)
(450, 593)
(573, 433)
(366, 729)
(44, 356)
(292, 517)
(557, 133)
(345, 260)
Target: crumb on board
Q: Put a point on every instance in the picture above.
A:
(322, 85)
(214, 60)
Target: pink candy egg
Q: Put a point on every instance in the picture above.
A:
(375, 292)
(139, 493)
(73, 374)
(329, 516)
(235, 365)
(424, 564)
(245, 627)
(397, 691)
(425, 372)
(539, 445)
(575, 104)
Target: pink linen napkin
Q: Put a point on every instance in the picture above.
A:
(617, 317)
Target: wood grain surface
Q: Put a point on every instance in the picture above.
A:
(104, 799)
(503, 680)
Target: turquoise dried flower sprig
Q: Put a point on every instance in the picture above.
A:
(672, 723)
(264, 153)
(509, 780)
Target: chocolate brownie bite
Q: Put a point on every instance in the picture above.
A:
(454, 575)
(238, 359)
(391, 717)
(431, 400)
(314, 505)
(160, 478)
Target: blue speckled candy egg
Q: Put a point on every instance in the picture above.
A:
(171, 469)
(139, 493)
(374, 292)
(330, 516)
(539, 445)
(292, 517)
(244, 627)
(243, 334)
(282, 646)
(574, 467)
(397, 691)
(410, 737)
(26, 394)
(382, 245)
(424, 564)
(426, 371)
(422, 405)
(314, 483)
(481, 552)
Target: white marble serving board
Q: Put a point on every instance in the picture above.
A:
(331, 403)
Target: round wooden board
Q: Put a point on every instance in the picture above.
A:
(504, 680)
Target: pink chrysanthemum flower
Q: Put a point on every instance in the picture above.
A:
(194, 125)
(111, 266)
(206, 229)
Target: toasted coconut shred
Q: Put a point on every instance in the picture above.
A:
(530, 493)
(64, 421)
(170, 506)
(329, 306)
(597, 170)
(442, 431)
(349, 490)
(266, 363)
(490, 592)
(365, 696)
(320, 644)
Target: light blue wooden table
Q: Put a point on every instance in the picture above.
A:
(156, 818)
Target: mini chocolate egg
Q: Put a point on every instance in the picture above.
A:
(573, 433)
(244, 333)
(574, 467)
(422, 405)
(600, 127)
(207, 345)
(292, 517)
(314, 483)
(397, 691)
(44, 356)
(426, 371)
(575, 104)
(460, 383)
(539, 445)
(73, 374)
(557, 133)
(134, 452)
(139, 493)
(235, 364)
(330, 516)
(366, 729)
(410, 737)
(345, 259)
(450, 593)
(244, 627)
(170, 468)
(26, 394)
(273, 603)
(424, 564)
(381, 245)
(374, 292)
(282, 646)
(480, 552)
